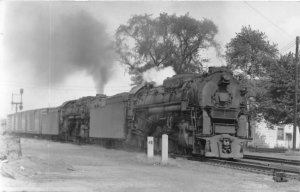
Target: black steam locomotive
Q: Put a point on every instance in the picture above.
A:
(202, 114)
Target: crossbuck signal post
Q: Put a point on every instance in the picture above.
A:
(17, 103)
(20, 103)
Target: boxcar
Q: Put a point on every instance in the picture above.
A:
(50, 122)
(34, 122)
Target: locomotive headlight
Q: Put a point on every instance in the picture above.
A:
(226, 141)
(225, 79)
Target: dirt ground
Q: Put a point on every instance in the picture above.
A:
(54, 166)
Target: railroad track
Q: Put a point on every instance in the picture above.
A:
(273, 159)
(267, 168)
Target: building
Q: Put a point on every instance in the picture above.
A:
(266, 135)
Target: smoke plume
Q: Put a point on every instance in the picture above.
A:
(57, 44)
(158, 76)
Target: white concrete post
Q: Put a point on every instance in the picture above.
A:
(150, 147)
(164, 151)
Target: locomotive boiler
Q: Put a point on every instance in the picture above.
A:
(202, 114)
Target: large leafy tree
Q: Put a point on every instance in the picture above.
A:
(251, 52)
(277, 105)
(167, 40)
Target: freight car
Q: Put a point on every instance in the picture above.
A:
(202, 114)
(39, 122)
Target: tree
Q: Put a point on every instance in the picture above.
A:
(167, 40)
(278, 105)
(251, 52)
(273, 85)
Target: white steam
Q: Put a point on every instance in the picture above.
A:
(158, 75)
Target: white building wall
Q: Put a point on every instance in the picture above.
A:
(266, 135)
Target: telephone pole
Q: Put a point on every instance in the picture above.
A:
(296, 93)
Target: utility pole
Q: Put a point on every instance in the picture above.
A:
(17, 103)
(296, 93)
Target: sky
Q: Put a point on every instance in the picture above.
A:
(58, 51)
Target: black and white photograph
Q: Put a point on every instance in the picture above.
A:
(149, 96)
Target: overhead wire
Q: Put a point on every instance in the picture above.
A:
(288, 49)
(287, 46)
(270, 21)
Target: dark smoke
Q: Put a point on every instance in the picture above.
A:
(40, 37)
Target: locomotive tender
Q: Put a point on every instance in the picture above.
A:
(202, 114)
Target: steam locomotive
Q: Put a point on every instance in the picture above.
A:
(202, 114)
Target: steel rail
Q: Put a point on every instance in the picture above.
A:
(256, 167)
(273, 159)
